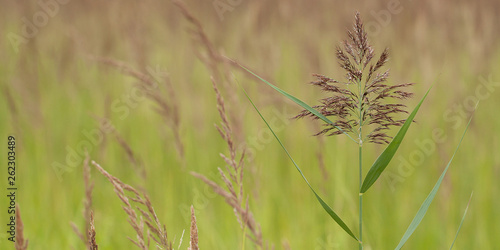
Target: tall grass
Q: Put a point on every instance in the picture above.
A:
(233, 192)
(356, 110)
(49, 92)
(145, 223)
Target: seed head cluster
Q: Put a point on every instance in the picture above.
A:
(361, 99)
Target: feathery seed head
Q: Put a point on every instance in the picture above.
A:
(360, 99)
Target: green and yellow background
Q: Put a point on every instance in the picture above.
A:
(53, 91)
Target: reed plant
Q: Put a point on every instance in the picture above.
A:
(360, 107)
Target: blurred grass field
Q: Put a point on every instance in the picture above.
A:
(51, 92)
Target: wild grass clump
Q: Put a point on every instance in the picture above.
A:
(141, 215)
(232, 176)
(154, 230)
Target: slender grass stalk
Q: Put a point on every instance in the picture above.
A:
(360, 197)
(462, 221)
(360, 143)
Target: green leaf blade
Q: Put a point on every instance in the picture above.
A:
(325, 206)
(299, 102)
(383, 160)
(462, 222)
(427, 202)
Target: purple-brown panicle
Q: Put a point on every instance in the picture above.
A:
(361, 99)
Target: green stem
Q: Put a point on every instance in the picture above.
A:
(360, 197)
(360, 138)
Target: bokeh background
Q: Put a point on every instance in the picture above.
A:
(55, 93)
